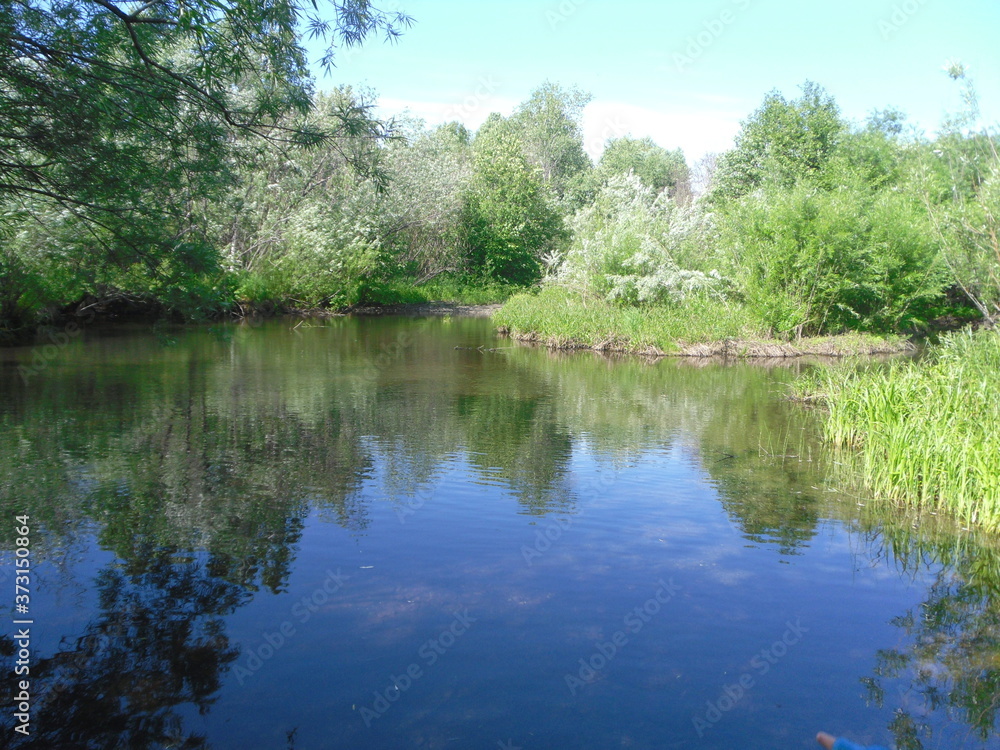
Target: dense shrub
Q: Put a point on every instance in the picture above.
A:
(634, 245)
(510, 218)
(808, 260)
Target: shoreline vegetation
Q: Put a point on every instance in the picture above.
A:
(446, 296)
(811, 226)
(845, 345)
(923, 434)
(559, 319)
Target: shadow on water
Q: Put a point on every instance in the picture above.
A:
(195, 460)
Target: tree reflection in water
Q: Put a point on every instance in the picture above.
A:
(159, 642)
(196, 466)
(947, 667)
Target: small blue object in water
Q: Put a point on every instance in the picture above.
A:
(842, 744)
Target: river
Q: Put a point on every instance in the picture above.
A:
(409, 533)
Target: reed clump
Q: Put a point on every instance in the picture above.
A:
(926, 432)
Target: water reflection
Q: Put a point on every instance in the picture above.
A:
(944, 676)
(198, 460)
(158, 642)
(260, 424)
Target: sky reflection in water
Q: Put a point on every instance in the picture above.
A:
(357, 535)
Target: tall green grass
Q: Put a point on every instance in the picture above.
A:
(463, 290)
(564, 318)
(925, 433)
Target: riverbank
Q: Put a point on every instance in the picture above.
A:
(702, 328)
(426, 309)
(445, 294)
(821, 346)
(91, 311)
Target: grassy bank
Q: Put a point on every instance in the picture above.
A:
(925, 434)
(560, 318)
(461, 290)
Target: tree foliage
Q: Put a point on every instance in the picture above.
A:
(421, 214)
(962, 195)
(549, 124)
(807, 260)
(634, 245)
(122, 120)
(822, 222)
(300, 226)
(135, 88)
(781, 142)
(178, 153)
(658, 168)
(510, 218)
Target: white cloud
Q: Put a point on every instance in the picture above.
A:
(696, 130)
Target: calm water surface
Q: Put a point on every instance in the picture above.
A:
(387, 533)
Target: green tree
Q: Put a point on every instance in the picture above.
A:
(658, 168)
(781, 142)
(549, 124)
(510, 220)
(301, 224)
(874, 154)
(121, 120)
(633, 245)
(962, 194)
(421, 214)
(821, 222)
(96, 91)
(814, 261)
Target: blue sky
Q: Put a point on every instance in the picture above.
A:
(683, 73)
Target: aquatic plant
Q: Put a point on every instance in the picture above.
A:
(927, 432)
